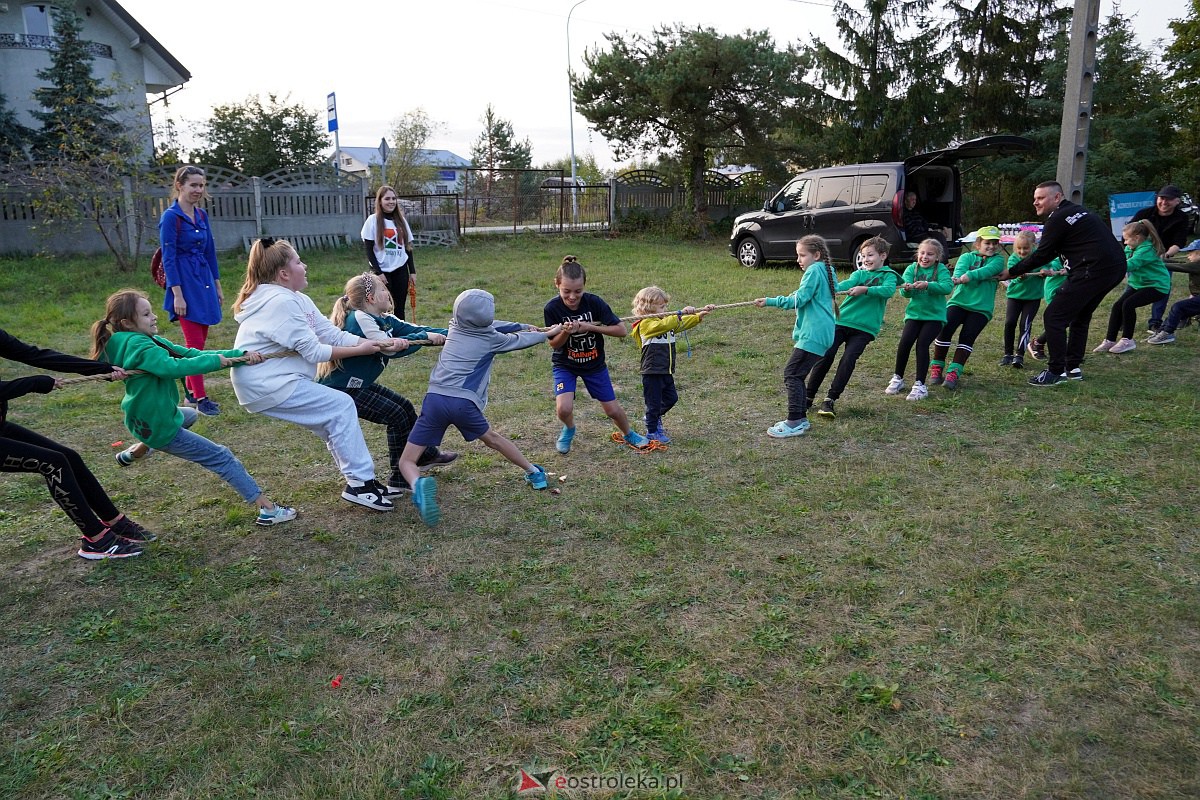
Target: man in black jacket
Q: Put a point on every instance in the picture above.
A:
(1096, 262)
(1171, 225)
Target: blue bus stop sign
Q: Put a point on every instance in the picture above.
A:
(331, 104)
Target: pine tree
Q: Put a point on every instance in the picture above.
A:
(885, 97)
(75, 118)
(14, 137)
(497, 148)
(1183, 90)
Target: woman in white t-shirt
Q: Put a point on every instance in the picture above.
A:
(388, 242)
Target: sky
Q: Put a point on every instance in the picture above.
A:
(452, 58)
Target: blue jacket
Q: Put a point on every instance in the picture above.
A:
(189, 257)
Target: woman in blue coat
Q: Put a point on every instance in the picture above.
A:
(189, 256)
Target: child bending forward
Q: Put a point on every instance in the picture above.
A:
(457, 393)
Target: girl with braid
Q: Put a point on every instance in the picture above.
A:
(816, 311)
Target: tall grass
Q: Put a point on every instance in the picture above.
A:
(987, 594)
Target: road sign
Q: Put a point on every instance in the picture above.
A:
(331, 104)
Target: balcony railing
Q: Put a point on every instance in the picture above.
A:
(25, 41)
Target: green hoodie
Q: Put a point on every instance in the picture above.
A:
(813, 302)
(978, 294)
(1146, 268)
(928, 304)
(1024, 287)
(864, 312)
(151, 403)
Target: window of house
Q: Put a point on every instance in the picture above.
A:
(38, 20)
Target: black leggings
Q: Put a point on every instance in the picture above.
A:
(1020, 312)
(972, 324)
(397, 283)
(921, 332)
(797, 369)
(71, 483)
(856, 341)
(1124, 312)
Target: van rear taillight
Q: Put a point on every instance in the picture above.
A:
(898, 209)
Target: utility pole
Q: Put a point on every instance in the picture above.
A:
(1077, 100)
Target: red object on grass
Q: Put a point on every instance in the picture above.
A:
(336, 682)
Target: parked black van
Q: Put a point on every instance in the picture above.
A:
(848, 205)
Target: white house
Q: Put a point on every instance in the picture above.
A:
(126, 57)
(367, 161)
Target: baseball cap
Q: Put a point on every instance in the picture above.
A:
(988, 232)
(1170, 191)
(1191, 247)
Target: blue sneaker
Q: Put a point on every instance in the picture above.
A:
(659, 434)
(635, 439)
(564, 440)
(425, 499)
(207, 407)
(536, 479)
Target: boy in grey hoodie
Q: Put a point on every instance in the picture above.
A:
(458, 389)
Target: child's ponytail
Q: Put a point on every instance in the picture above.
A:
(120, 310)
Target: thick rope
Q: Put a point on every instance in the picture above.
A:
(675, 313)
(236, 360)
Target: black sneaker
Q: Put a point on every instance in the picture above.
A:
(1006, 361)
(370, 494)
(826, 409)
(1047, 378)
(396, 486)
(438, 459)
(108, 546)
(1075, 374)
(130, 531)
(1018, 362)
(1036, 350)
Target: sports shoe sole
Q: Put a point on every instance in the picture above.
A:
(425, 500)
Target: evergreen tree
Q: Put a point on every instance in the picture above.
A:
(75, 118)
(1183, 90)
(885, 98)
(691, 92)
(14, 137)
(497, 148)
(1131, 121)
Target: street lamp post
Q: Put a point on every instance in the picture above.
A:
(571, 115)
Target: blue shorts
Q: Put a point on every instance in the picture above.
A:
(598, 384)
(439, 412)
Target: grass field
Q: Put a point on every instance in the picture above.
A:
(987, 594)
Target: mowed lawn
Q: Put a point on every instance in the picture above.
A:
(985, 594)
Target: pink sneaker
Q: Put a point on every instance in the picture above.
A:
(1123, 346)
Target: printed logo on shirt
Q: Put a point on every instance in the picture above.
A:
(391, 238)
(582, 347)
(354, 383)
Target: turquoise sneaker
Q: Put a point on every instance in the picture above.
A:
(564, 440)
(635, 439)
(425, 499)
(536, 479)
(781, 430)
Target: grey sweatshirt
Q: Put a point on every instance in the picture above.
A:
(464, 366)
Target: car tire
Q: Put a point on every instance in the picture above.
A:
(749, 252)
(855, 250)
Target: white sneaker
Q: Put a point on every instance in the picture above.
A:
(1104, 346)
(1162, 337)
(1123, 346)
(895, 385)
(919, 392)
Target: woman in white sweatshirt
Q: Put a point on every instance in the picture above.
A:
(274, 316)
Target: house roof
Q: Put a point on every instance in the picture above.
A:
(163, 70)
(436, 158)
